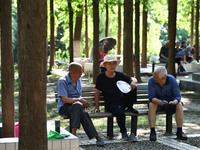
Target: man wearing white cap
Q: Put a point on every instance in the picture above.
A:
(115, 98)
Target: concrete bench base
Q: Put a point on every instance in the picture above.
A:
(69, 143)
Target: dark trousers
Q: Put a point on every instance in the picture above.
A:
(78, 115)
(118, 110)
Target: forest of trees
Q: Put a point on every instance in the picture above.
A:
(157, 24)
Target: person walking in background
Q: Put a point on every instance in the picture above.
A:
(71, 104)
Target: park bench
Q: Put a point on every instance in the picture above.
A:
(141, 106)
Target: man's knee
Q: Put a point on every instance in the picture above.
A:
(152, 107)
(179, 107)
(77, 106)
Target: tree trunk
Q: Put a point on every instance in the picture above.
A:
(96, 40)
(137, 40)
(32, 50)
(172, 35)
(144, 35)
(106, 32)
(197, 31)
(168, 1)
(119, 28)
(52, 38)
(7, 70)
(77, 34)
(71, 46)
(86, 31)
(192, 24)
(128, 38)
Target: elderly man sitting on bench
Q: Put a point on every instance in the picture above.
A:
(164, 94)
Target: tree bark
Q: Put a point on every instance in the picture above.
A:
(77, 33)
(168, 1)
(128, 38)
(106, 32)
(144, 35)
(86, 31)
(197, 31)
(95, 40)
(52, 38)
(172, 36)
(71, 46)
(32, 50)
(119, 28)
(192, 24)
(137, 40)
(7, 70)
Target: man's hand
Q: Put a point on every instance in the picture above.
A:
(85, 103)
(164, 102)
(173, 102)
(133, 83)
(96, 110)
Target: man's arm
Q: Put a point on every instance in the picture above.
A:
(72, 100)
(163, 56)
(96, 98)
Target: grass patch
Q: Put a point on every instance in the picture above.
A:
(52, 112)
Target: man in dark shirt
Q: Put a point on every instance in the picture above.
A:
(116, 101)
(164, 53)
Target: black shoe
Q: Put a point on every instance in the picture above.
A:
(124, 136)
(152, 137)
(132, 110)
(132, 138)
(181, 136)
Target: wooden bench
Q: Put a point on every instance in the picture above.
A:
(141, 106)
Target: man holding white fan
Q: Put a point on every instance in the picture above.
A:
(119, 91)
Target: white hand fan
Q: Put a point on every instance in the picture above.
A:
(123, 86)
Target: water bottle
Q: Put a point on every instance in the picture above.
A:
(57, 126)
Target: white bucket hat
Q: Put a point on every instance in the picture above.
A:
(109, 58)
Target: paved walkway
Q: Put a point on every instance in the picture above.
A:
(164, 142)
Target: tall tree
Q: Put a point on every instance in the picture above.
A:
(119, 28)
(137, 40)
(32, 52)
(52, 38)
(172, 35)
(168, 32)
(95, 40)
(77, 33)
(71, 46)
(86, 30)
(128, 38)
(192, 24)
(197, 31)
(144, 34)
(7, 70)
(106, 30)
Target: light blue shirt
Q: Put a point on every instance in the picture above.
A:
(169, 92)
(65, 87)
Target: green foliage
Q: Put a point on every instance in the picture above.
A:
(61, 55)
(157, 24)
